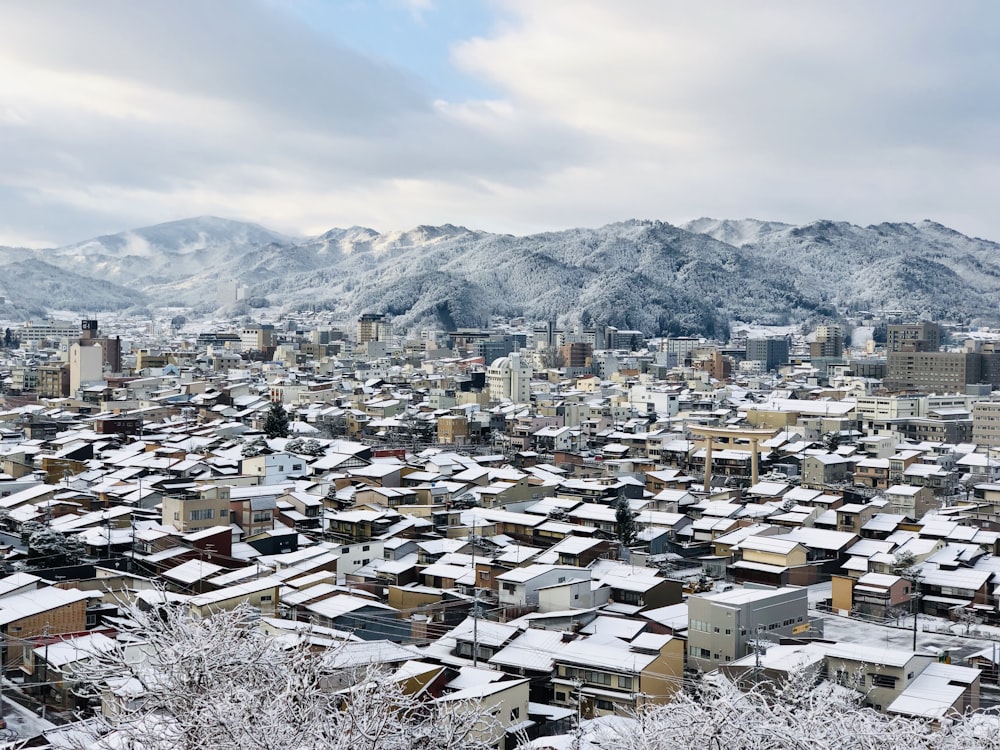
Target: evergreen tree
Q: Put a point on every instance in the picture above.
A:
(276, 423)
(625, 522)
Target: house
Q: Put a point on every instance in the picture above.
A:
(520, 587)
(194, 510)
(262, 594)
(821, 470)
(52, 665)
(608, 676)
(48, 611)
(274, 468)
(875, 594)
(367, 618)
(910, 501)
(721, 625)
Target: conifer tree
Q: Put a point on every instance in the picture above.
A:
(276, 423)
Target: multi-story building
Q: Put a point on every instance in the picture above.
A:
(773, 352)
(935, 371)
(258, 338)
(829, 342)
(874, 413)
(197, 510)
(53, 381)
(986, 424)
(914, 337)
(510, 378)
(723, 626)
(373, 327)
(33, 334)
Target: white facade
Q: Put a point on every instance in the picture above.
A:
(85, 366)
(509, 377)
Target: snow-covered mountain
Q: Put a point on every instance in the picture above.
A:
(636, 274)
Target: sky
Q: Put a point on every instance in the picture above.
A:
(512, 116)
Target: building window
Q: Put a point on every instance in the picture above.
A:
(204, 514)
(883, 681)
(266, 598)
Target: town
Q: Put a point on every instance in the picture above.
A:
(562, 523)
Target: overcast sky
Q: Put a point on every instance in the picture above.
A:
(513, 116)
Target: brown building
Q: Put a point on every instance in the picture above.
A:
(453, 429)
(53, 381)
(914, 337)
(939, 372)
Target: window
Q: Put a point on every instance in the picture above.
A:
(625, 683)
(204, 514)
(177, 516)
(561, 697)
(883, 681)
(604, 705)
(515, 713)
(266, 598)
(366, 547)
(508, 587)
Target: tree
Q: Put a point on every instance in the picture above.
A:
(276, 422)
(220, 683)
(551, 358)
(305, 447)
(255, 447)
(625, 526)
(799, 715)
(904, 565)
(49, 548)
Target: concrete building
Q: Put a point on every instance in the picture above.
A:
(510, 378)
(930, 372)
(258, 338)
(722, 626)
(194, 511)
(914, 337)
(773, 352)
(829, 342)
(85, 366)
(373, 327)
(986, 424)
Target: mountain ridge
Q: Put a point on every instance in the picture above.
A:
(646, 274)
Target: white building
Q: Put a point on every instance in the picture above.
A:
(85, 366)
(509, 377)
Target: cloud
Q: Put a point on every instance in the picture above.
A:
(116, 114)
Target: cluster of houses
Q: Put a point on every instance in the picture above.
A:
(561, 547)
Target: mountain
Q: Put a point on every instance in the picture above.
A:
(31, 287)
(647, 275)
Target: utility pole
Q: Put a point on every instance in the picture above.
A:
(45, 687)
(475, 602)
(3, 670)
